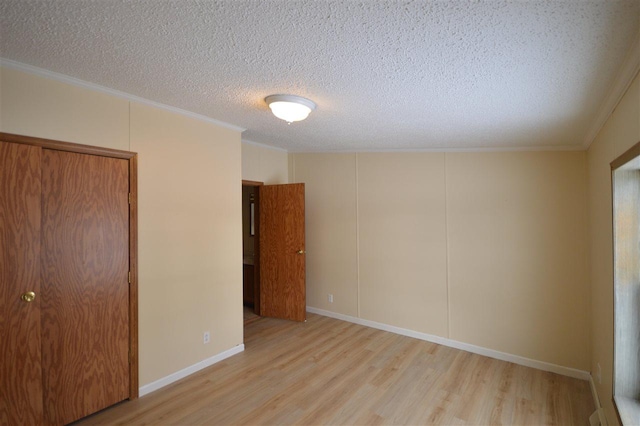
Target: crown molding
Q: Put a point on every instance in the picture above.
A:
(625, 77)
(450, 150)
(262, 145)
(19, 66)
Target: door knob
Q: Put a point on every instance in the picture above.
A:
(28, 296)
(301, 252)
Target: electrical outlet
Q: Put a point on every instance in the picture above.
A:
(599, 374)
(330, 297)
(207, 337)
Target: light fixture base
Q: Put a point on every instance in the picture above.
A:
(290, 108)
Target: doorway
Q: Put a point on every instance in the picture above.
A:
(250, 250)
(273, 251)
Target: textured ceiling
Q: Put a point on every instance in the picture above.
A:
(385, 74)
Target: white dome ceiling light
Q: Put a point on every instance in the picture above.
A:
(290, 108)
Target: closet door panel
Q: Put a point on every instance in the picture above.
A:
(85, 290)
(20, 371)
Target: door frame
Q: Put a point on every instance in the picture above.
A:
(132, 158)
(256, 262)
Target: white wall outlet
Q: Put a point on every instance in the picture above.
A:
(599, 374)
(330, 297)
(207, 337)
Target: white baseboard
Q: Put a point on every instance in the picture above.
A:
(594, 392)
(596, 401)
(527, 362)
(174, 377)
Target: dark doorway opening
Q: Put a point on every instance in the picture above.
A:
(251, 248)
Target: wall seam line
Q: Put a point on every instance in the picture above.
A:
(446, 240)
(129, 125)
(293, 168)
(357, 236)
(587, 254)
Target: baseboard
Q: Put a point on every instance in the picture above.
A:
(174, 377)
(596, 402)
(527, 362)
(594, 393)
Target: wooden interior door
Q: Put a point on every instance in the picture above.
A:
(20, 368)
(282, 252)
(85, 290)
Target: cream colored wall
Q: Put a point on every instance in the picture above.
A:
(40, 107)
(620, 132)
(403, 247)
(330, 209)
(190, 245)
(264, 164)
(517, 254)
(483, 248)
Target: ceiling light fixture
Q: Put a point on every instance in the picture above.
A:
(290, 108)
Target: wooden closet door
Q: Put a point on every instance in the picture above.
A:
(85, 290)
(20, 373)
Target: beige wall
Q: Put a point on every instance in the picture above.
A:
(517, 254)
(484, 248)
(620, 132)
(40, 107)
(330, 209)
(264, 164)
(190, 244)
(189, 210)
(403, 247)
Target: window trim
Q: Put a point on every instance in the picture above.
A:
(625, 408)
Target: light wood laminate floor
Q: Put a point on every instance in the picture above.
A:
(327, 371)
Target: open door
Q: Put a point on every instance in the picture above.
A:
(282, 252)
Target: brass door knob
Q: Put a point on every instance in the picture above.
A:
(301, 252)
(28, 296)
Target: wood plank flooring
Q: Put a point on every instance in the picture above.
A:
(249, 316)
(327, 371)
